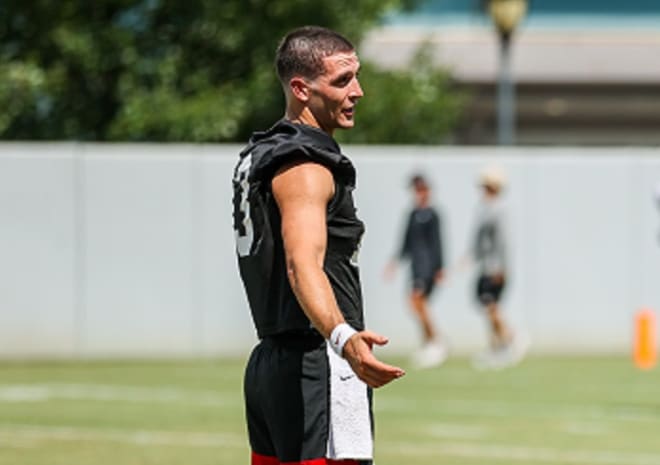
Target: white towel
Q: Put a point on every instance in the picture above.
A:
(350, 421)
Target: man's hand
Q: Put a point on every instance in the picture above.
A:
(390, 270)
(368, 368)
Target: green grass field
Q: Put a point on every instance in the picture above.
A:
(583, 411)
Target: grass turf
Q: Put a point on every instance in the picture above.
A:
(569, 410)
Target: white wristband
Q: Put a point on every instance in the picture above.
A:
(339, 336)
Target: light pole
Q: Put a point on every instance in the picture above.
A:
(506, 14)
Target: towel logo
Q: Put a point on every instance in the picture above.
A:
(347, 377)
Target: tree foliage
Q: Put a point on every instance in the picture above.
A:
(416, 105)
(166, 70)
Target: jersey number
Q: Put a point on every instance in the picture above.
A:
(243, 228)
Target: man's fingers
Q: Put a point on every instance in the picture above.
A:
(373, 338)
(376, 373)
(385, 371)
(365, 365)
(376, 365)
(379, 378)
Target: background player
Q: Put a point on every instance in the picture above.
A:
(490, 251)
(422, 245)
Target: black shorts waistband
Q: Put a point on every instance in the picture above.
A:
(307, 340)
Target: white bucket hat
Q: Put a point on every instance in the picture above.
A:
(492, 176)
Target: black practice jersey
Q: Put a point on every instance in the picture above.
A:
(422, 242)
(257, 226)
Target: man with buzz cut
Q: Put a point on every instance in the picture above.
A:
(308, 381)
(422, 247)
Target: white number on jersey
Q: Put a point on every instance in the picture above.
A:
(243, 228)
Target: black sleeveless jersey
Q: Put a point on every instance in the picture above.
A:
(257, 225)
(422, 242)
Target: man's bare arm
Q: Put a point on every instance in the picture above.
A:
(302, 192)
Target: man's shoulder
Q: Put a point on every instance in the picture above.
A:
(287, 142)
(288, 134)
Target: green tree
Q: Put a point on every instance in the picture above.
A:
(416, 105)
(162, 70)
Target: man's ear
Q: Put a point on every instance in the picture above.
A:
(299, 88)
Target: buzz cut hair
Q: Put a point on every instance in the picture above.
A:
(301, 52)
(419, 182)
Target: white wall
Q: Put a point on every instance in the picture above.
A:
(127, 250)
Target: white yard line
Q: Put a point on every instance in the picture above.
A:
(585, 429)
(26, 435)
(474, 432)
(483, 408)
(18, 393)
(520, 454)
(452, 431)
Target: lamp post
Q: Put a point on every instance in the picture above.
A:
(506, 14)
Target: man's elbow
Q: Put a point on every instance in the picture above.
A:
(298, 266)
(292, 271)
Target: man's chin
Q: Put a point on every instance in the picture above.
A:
(347, 124)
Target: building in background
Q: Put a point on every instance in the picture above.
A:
(587, 72)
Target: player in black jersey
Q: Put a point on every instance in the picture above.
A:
(308, 381)
(422, 246)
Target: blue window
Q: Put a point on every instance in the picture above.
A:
(540, 11)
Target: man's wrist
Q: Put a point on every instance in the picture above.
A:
(339, 336)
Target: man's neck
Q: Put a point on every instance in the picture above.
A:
(304, 116)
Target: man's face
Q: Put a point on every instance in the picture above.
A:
(334, 93)
(422, 195)
(490, 191)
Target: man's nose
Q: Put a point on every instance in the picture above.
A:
(356, 91)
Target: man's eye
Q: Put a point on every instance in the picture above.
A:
(343, 82)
